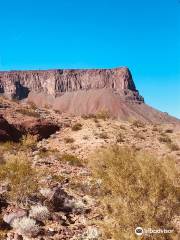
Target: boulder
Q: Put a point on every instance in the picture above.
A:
(11, 216)
(40, 128)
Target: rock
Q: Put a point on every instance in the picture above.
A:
(82, 92)
(40, 128)
(7, 131)
(57, 199)
(17, 84)
(11, 216)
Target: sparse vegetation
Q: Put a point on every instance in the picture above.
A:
(76, 127)
(71, 159)
(173, 146)
(28, 112)
(103, 135)
(22, 178)
(138, 124)
(69, 140)
(136, 190)
(169, 131)
(104, 115)
(85, 137)
(28, 141)
(119, 138)
(165, 139)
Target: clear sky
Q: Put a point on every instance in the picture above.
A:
(141, 34)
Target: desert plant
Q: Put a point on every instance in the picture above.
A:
(26, 226)
(71, 159)
(165, 139)
(76, 127)
(22, 178)
(173, 146)
(39, 212)
(119, 138)
(85, 137)
(138, 124)
(28, 112)
(69, 140)
(103, 135)
(104, 115)
(28, 141)
(136, 190)
(169, 130)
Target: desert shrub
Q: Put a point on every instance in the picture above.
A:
(103, 135)
(169, 131)
(28, 141)
(26, 226)
(138, 124)
(173, 146)
(69, 140)
(76, 127)
(85, 137)
(88, 116)
(28, 112)
(8, 146)
(32, 105)
(136, 190)
(44, 153)
(119, 138)
(71, 159)
(39, 212)
(165, 139)
(104, 115)
(22, 178)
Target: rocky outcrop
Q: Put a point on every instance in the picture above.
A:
(13, 132)
(7, 131)
(17, 84)
(38, 127)
(81, 92)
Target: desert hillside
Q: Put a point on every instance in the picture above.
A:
(85, 177)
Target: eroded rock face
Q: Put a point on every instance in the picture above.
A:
(7, 131)
(37, 127)
(17, 84)
(40, 128)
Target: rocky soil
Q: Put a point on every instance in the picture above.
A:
(68, 190)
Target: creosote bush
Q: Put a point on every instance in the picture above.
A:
(22, 178)
(136, 190)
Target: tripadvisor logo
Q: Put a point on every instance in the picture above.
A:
(140, 231)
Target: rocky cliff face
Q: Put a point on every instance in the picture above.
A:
(18, 84)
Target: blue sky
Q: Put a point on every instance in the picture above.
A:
(141, 34)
